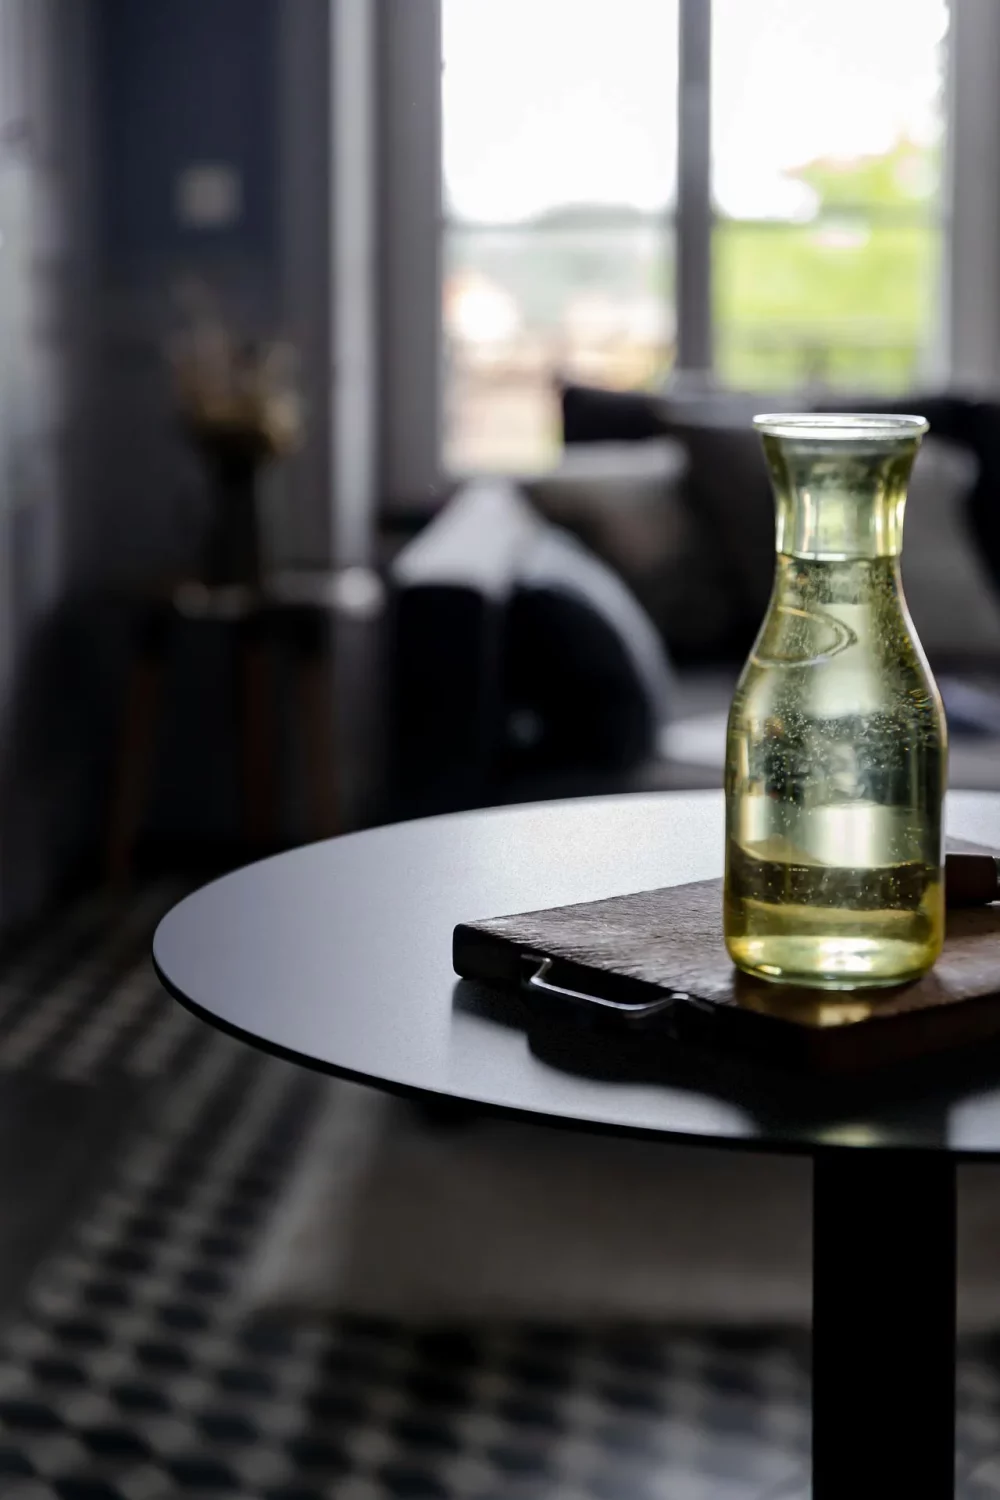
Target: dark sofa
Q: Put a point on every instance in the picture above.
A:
(520, 664)
(951, 559)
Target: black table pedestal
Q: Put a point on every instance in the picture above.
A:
(883, 1325)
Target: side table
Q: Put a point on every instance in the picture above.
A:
(296, 611)
(338, 956)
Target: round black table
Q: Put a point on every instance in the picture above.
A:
(338, 955)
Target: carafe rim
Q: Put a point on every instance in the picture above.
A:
(842, 427)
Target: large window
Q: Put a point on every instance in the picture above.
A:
(827, 137)
(559, 128)
(563, 217)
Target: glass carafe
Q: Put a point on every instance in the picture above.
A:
(836, 748)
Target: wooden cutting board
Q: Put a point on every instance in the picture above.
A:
(646, 946)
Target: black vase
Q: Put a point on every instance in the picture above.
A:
(233, 553)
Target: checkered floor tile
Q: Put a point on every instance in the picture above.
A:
(132, 1371)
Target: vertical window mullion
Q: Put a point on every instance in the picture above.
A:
(972, 324)
(411, 233)
(694, 204)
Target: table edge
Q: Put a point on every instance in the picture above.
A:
(697, 1140)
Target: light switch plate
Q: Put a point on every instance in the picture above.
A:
(208, 195)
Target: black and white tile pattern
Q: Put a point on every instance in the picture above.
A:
(132, 1371)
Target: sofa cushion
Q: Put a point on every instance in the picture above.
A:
(731, 511)
(711, 595)
(476, 541)
(586, 678)
(948, 588)
(622, 499)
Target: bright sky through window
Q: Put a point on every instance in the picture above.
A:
(550, 102)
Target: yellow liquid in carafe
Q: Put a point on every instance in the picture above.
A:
(833, 926)
(835, 769)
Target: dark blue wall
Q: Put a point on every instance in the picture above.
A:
(178, 82)
(186, 81)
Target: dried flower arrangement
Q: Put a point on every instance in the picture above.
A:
(240, 406)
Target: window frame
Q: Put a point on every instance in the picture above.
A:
(966, 344)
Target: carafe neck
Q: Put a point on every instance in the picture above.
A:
(839, 493)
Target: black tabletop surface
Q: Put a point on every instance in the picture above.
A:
(339, 954)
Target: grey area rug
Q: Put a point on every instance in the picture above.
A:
(392, 1215)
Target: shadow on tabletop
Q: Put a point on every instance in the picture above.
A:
(902, 1104)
